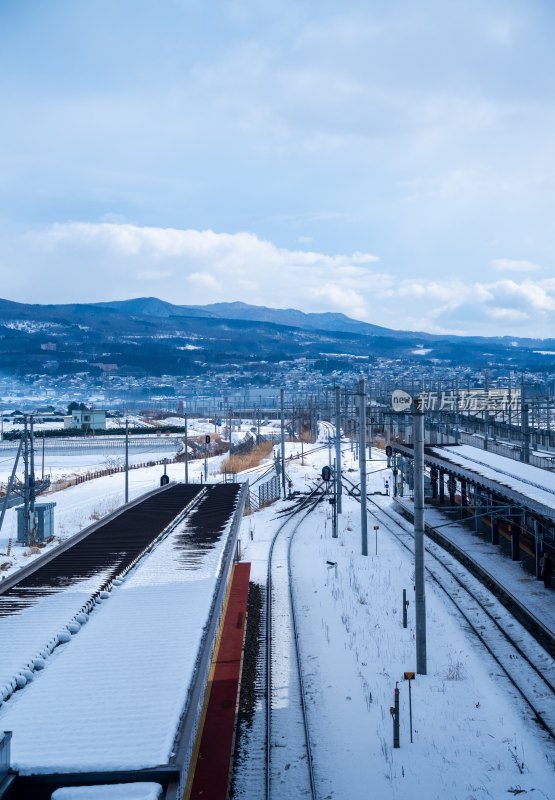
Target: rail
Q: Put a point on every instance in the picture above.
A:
(310, 501)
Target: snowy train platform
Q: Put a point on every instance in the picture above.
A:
(513, 502)
(113, 699)
(518, 481)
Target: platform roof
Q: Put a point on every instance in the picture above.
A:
(520, 484)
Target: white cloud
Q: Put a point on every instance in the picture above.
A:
(213, 266)
(204, 279)
(349, 301)
(514, 265)
(508, 315)
(154, 275)
(203, 266)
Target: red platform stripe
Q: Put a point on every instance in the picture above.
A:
(211, 776)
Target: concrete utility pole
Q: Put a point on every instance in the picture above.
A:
(362, 467)
(486, 411)
(457, 420)
(26, 520)
(524, 424)
(126, 460)
(338, 486)
(420, 594)
(32, 494)
(186, 448)
(282, 416)
(10, 484)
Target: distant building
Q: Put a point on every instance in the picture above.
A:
(106, 367)
(86, 420)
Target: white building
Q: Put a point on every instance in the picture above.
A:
(86, 420)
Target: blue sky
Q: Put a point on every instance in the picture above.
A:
(391, 160)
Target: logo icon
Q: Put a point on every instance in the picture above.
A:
(401, 400)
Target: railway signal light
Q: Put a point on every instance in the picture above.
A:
(326, 473)
(207, 439)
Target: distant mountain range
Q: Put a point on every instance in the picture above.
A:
(150, 336)
(338, 323)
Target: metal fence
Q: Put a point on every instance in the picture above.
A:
(88, 445)
(269, 491)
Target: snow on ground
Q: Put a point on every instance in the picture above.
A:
(111, 698)
(473, 739)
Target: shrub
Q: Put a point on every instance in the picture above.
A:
(247, 461)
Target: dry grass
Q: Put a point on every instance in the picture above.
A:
(248, 460)
(60, 484)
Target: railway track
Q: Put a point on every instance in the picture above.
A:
(289, 764)
(527, 666)
(268, 468)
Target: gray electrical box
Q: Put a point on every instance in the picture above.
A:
(44, 522)
(5, 738)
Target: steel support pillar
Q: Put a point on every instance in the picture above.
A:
(494, 530)
(515, 540)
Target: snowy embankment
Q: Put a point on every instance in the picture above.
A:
(473, 738)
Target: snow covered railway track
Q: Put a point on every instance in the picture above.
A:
(522, 660)
(289, 766)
